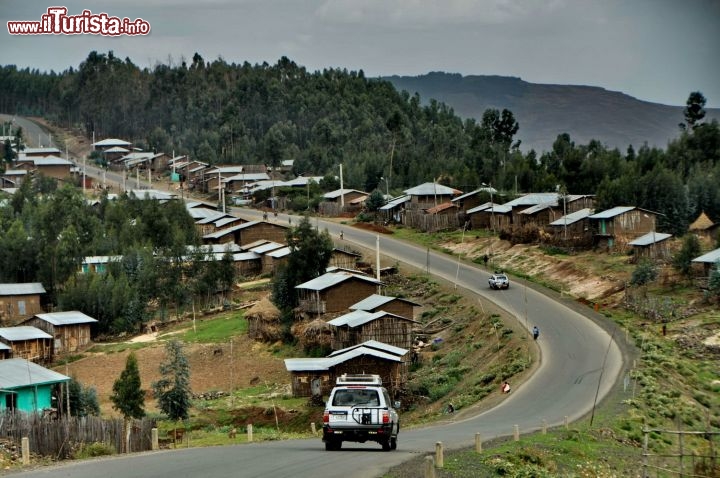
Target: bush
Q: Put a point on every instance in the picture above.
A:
(90, 450)
(644, 273)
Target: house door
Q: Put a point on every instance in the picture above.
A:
(10, 402)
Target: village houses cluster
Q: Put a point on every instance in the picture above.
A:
(344, 308)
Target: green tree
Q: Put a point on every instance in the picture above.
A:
(83, 400)
(374, 201)
(173, 389)
(127, 396)
(682, 261)
(310, 252)
(644, 273)
(694, 110)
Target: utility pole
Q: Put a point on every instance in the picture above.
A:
(342, 190)
(377, 257)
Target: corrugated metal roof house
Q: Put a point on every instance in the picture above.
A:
(386, 360)
(20, 301)
(28, 342)
(70, 330)
(28, 387)
(335, 292)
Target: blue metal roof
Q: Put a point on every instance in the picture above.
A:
(25, 288)
(330, 279)
(66, 318)
(572, 218)
(17, 373)
(429, 189)
(608, 213)
(23, 332)
(650, 238)
(376, 300)
(711, 257)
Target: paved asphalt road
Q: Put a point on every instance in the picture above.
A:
(579, 363)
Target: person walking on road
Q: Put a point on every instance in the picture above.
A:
(536, 332)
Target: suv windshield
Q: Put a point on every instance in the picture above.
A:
(354, 397)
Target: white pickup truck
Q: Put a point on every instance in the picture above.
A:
(359, 410)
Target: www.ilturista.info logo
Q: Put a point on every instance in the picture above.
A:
(57, 22)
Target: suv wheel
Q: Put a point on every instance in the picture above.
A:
(332, 445)
(393, 443)
(387, 445)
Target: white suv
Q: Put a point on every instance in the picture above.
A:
(499, 281)
(359, 410)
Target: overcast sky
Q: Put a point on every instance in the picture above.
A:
(654, 50)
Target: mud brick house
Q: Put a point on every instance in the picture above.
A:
(477, 220)
(217, 222)
(275, 259)
(653, 245)
(38, 152)
(28, 342)
(70, 330)
(573, 228)
(13, 178)
(537, 216)
(708, 261)
(267, 262)
(52, 167)
(29, 387)
(336, 202)
(394, 209)
(335, 292)
(473, 199)
(496, 217)
(394, 305)
(385, 360)
(112, 155)
(344, 259)
(614, 228)
(359, 326)
(247, 233)
(428, 195)
(109, 143)
(20, 301)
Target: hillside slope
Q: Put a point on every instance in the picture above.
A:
(544, 111)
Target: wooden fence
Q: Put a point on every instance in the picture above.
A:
(58, 438)
(430, 222)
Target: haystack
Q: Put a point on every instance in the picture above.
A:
(264, 321)
(315, 334)
(702, 223)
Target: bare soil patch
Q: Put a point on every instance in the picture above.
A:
(239, 363)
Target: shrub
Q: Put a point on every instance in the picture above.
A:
(644, 273)
(89, 450)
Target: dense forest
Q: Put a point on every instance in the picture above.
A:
(223, 112)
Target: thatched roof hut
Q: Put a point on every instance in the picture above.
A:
(315, 334)
(264, 321)
(701, 223)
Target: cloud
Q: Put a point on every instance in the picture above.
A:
(419, 13)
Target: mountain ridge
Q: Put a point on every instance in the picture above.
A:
(544, 111)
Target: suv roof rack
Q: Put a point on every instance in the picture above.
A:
(358, 379)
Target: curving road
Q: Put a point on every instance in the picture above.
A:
(580, 362)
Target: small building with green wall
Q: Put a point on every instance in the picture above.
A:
(28, 387)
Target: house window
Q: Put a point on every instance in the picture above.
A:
(21, 307)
